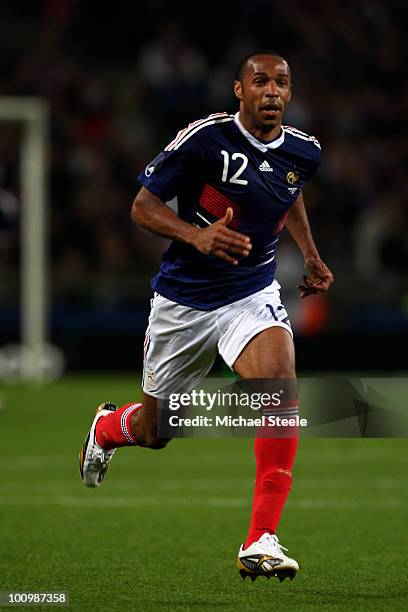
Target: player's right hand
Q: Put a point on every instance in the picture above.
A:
(217, 239)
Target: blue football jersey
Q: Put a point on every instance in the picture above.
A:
(214, 164)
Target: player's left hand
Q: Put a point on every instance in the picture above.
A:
(317, 279)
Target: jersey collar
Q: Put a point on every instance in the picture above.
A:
(262, 146)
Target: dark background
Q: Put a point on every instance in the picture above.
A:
(122, 79)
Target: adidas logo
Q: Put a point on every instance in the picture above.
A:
(265, 167)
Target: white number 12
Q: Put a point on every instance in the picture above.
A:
(234, 178)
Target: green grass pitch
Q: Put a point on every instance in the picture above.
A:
(162, 532)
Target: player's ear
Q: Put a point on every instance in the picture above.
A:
(238, 89)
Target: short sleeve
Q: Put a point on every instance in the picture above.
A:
(168, 173)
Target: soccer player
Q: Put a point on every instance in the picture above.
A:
(238, 180)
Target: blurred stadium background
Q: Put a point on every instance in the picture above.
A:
(119, 86)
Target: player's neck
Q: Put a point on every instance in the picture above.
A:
(257, 131)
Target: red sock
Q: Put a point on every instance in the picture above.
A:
(113, 430)
(274, 460)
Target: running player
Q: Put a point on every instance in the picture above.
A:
(238, 180)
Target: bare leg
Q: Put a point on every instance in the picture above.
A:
(270, 354)
(143, 424)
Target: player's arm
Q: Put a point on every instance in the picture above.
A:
(216, 239)
(318, 277)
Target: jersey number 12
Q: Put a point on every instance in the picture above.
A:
(234, 178)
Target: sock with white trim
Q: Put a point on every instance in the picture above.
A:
(113, 430)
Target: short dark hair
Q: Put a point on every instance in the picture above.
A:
(243, 63)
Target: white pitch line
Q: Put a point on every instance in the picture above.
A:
(174, 485)
(38, 462)
(218, 502)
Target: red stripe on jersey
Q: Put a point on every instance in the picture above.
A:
(217, 204)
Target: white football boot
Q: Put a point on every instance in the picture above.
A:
(265, 557)
(93, 459)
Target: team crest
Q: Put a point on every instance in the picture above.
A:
(292, 177)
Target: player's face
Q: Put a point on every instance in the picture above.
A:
(264, 93)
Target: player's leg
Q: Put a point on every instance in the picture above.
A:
(112, 428)
(131, 424)
(269, 355)
(144, 424)
(180, 348)
(257, 344)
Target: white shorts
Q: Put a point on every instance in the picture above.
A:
(181, 343)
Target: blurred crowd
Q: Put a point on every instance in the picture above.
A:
(120, 85)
